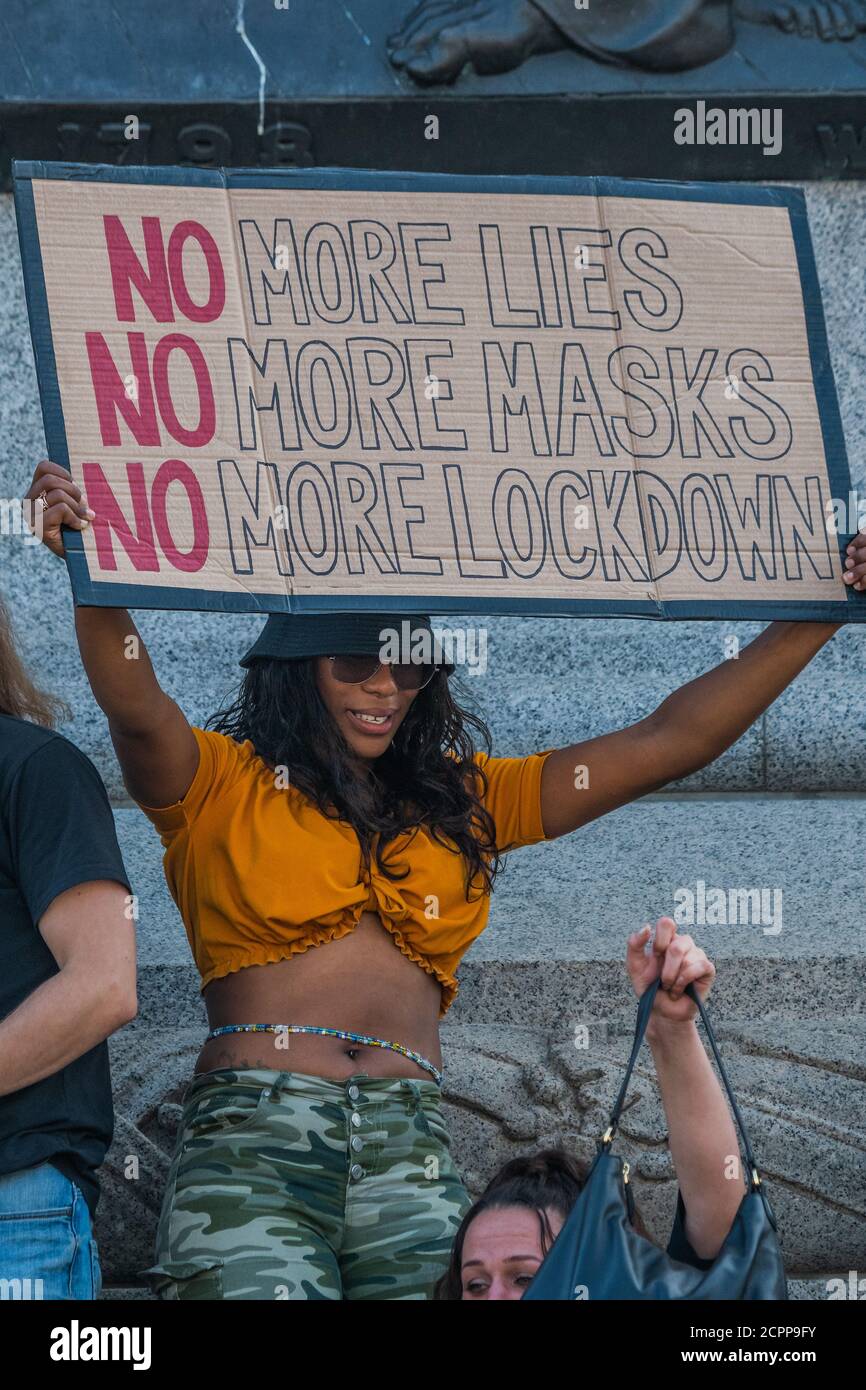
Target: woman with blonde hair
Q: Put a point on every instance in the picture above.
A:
(67, 980)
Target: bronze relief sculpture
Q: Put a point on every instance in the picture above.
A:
(439, 37)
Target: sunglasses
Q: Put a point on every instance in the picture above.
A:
(410, 675)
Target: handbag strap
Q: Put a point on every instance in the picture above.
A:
(644, 1012)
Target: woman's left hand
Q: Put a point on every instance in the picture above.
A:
(678, 961)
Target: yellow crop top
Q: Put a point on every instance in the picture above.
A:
(259, 874)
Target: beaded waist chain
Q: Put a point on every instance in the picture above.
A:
(363, 1038)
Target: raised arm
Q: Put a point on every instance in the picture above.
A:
(703, 1141)
(155, 745)
(691, 728)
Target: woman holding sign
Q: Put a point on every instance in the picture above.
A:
(331, 843)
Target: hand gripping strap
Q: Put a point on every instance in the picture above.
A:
(644, 1012)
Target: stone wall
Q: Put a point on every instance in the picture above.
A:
(784, 809)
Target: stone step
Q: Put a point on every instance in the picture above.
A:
(820, 1287)
(562, 911)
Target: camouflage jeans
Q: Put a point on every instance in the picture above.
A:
(286, 1186)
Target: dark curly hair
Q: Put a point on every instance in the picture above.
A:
(426, 776)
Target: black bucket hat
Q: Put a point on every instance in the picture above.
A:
(294, 636)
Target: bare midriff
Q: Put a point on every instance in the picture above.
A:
(360, 983)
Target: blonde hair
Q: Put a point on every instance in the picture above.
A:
(19, 697)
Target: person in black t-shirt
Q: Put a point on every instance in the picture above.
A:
(67, 980)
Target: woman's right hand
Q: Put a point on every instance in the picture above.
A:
(64, 505)
(677, 961)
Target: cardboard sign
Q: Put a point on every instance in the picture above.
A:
(312, 389)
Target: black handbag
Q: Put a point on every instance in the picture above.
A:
(598, 1254)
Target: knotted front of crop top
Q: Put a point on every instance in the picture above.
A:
(259, 874)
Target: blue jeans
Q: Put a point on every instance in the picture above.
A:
(47, 1249)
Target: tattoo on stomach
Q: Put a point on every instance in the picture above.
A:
(229, 1062)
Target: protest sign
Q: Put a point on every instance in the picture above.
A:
(311, 389)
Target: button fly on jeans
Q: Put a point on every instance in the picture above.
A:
(357, 1144)
(356, 1171)
(356, 1119)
